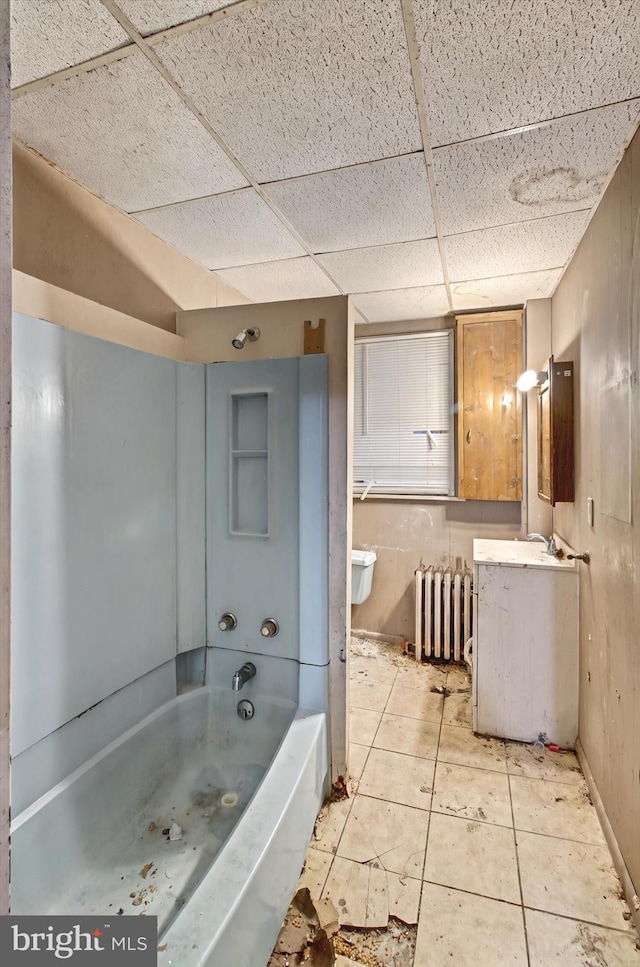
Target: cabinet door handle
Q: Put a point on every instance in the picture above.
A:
(468, 436)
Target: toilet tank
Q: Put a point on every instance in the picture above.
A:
(361, 575)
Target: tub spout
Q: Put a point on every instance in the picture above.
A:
(549, 543)
(242, 676)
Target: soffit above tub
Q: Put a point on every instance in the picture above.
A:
(149, 16)
(425, 302)
(386, 266)
(48, 36)
(371, 204)
(121, 131)
(274, 281)
(546, 243)
(226, 230)
(507, 290)
(492, 66)
(558, 168)
(296, 88)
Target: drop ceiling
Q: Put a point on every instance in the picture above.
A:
(422, 156)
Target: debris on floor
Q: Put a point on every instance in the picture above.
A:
(306, 935)
(393, 946)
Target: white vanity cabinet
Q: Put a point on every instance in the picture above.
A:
(525, 655)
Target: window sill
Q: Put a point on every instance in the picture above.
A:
(423, 498)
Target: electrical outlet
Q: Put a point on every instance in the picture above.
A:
(590, 511)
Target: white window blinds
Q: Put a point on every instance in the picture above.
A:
(403, 407)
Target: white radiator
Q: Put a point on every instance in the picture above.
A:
(443, 613)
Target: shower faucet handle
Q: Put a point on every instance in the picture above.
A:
(269, 628)
(227, 622)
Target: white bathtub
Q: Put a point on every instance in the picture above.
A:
(220, 892)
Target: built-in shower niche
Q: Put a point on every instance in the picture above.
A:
(249, 465)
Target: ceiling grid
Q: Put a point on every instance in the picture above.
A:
(423, 156)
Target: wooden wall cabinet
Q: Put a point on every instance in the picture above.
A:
(489, 361)
(555, 433)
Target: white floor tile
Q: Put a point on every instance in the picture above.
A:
(461, 747)
(525, 760)
(357, 758)
(570, 879)
(363, 724)
(556, 809)
(476, 857)
(371, 695)
(570, 943)
(330, 824)
(458, 678)
(415, 703)
(365, 895)
(400, 778)
(316, 869)
(416, 675)
(412, 736)
(372, 670)
(475, 794)
(393, 834)
(458, 710)
(462, 930)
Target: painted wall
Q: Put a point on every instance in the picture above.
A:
(407, 533)
(65, 235)
(596, 323)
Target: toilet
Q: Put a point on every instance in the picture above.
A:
(362, 563)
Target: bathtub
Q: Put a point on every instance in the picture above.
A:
(244, 795)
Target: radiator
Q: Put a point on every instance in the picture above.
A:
(443, 613)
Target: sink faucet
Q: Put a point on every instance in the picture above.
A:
(242, 676)
(549, 542)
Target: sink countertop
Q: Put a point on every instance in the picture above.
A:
(520, 554)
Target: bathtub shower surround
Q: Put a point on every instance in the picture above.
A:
(170, 527)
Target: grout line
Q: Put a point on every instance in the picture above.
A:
(515, 846)
(153, 58)
(459, 889)
(562, 839)
(414, 59)
(625, 931)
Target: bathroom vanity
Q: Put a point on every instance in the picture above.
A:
(525, 656)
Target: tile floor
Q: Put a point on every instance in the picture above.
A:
(493, 848)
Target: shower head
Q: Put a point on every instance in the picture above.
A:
(241, 338)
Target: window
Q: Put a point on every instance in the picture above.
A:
(403, 403)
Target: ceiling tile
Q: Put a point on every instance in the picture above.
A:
(507, 290)
(276, 281)
(400, 305)
(225, 230)
(149, 16)
(48, 36)
(489, 67)
(386, 266)
(557, 168)
(126, 135)
(373, 204)
(545, 243)
(298, 86)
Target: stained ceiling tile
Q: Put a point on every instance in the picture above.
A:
(386, 266)
(508, 290)
(225, 230)
(296, 86)
(425, 302)
(544, 243)
(149, 16)
(275, 281)
(47, 36)
(558, 168)
(367, 205)
(124, 134)
(488, 67)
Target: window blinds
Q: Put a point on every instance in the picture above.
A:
(403, 407)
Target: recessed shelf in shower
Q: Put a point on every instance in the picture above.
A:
(249, 465)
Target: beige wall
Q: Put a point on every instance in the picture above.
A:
(208, 335)
(74, 240)
(406, 533)
(596, 323)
